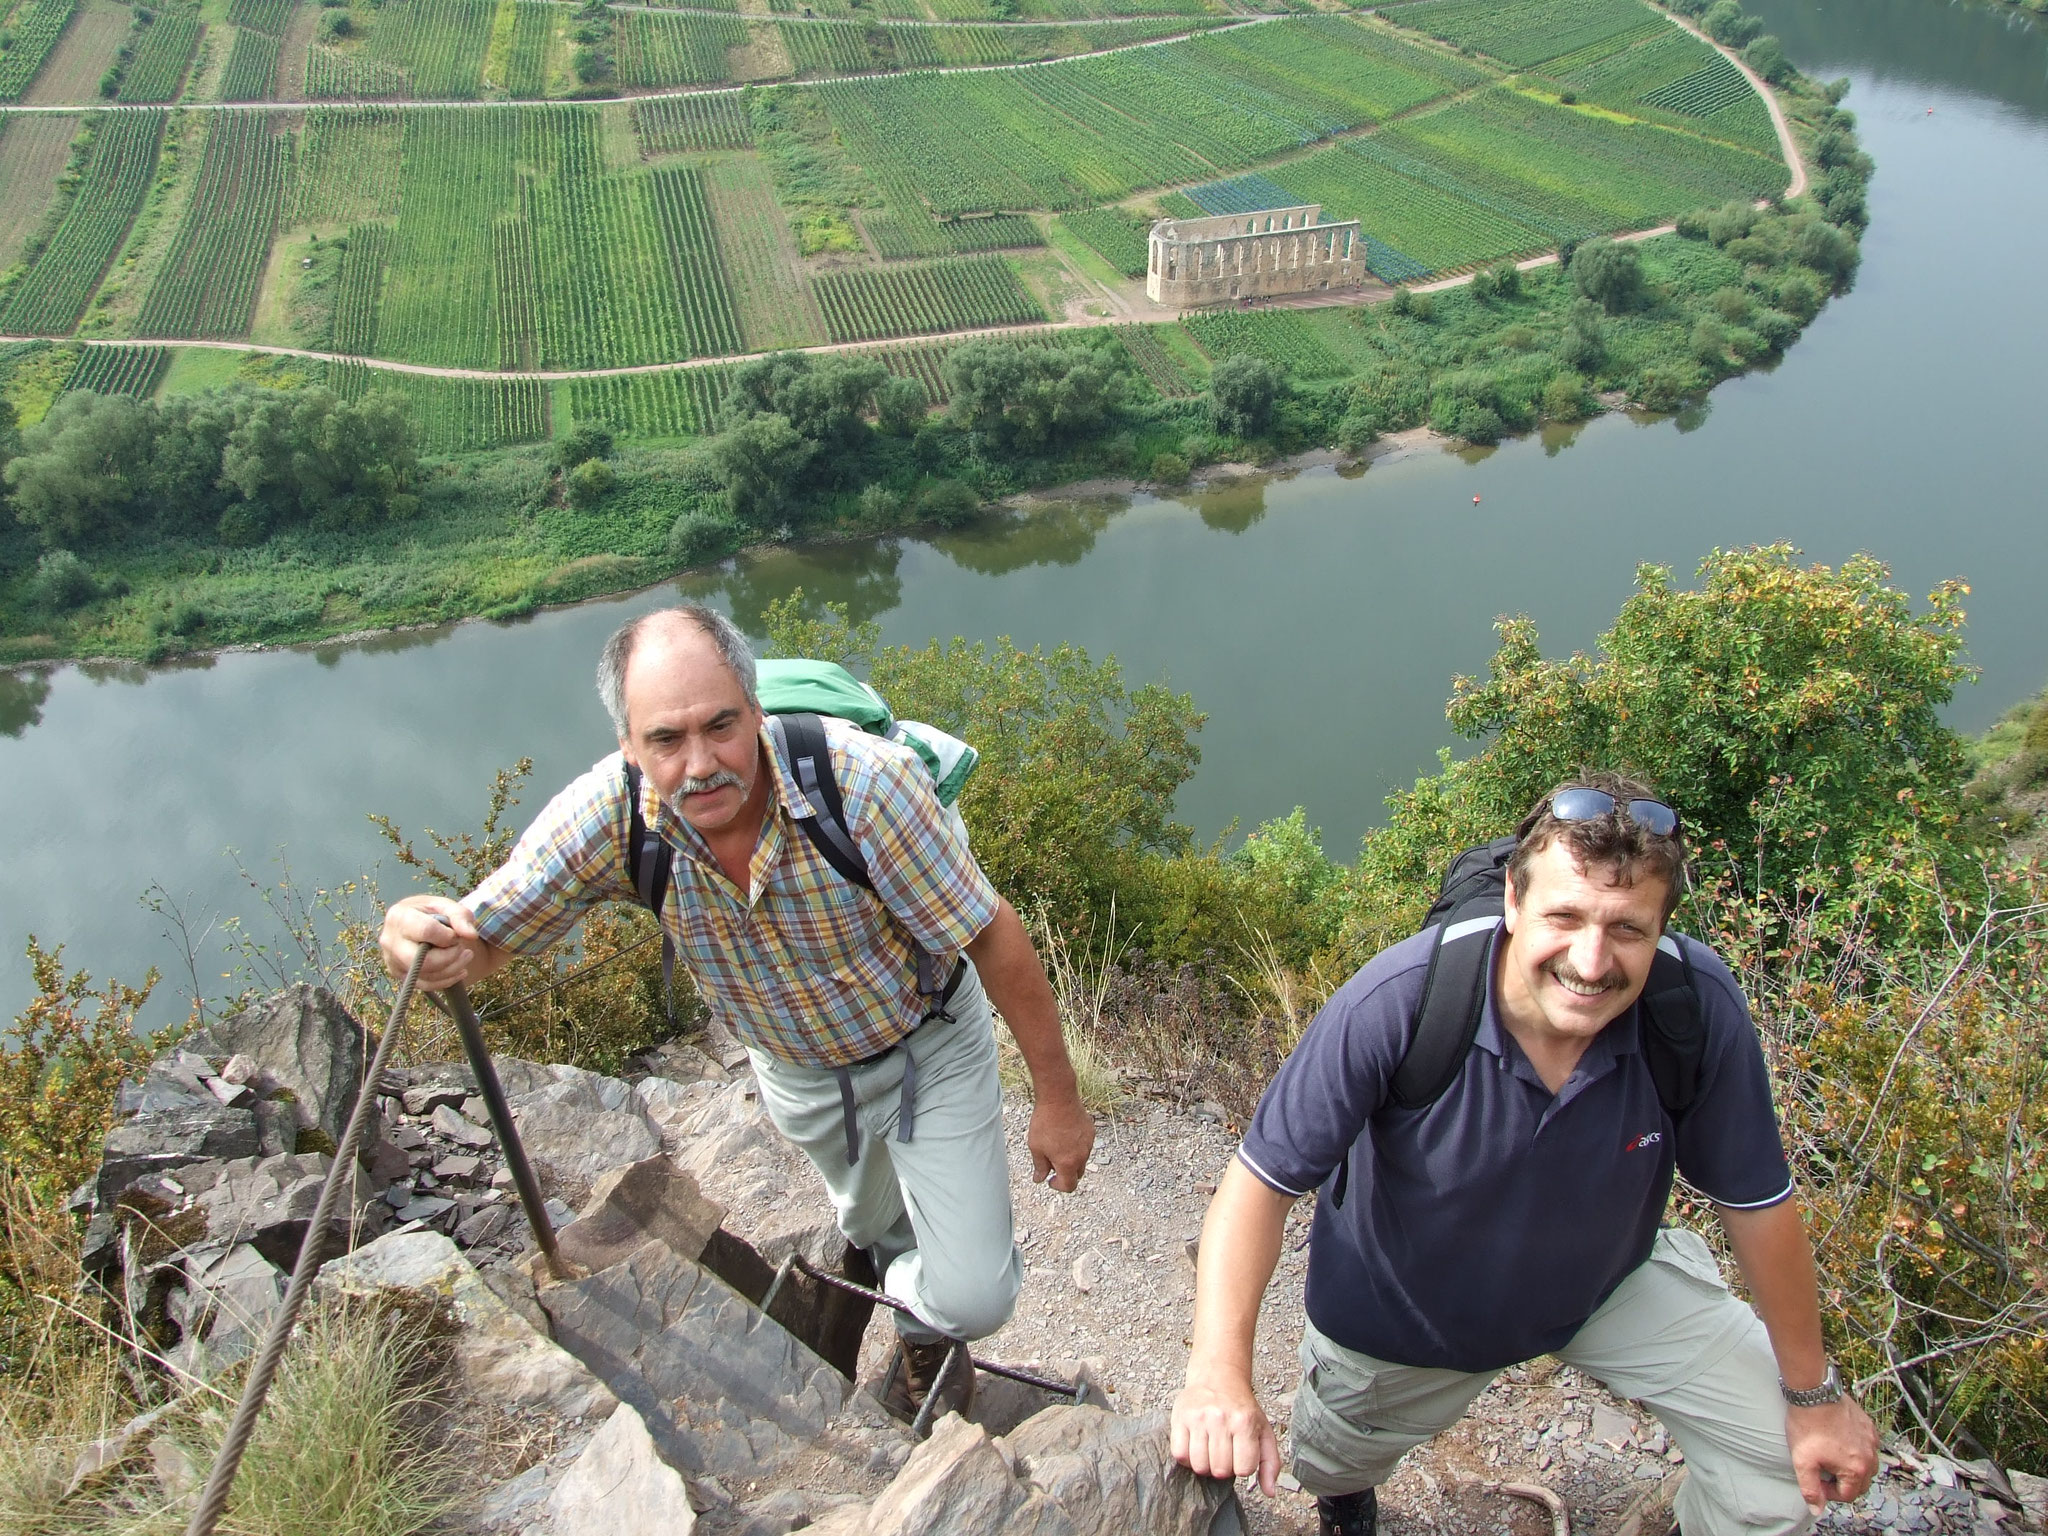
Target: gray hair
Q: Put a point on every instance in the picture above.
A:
(733, 650)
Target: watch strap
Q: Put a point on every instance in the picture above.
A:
(1830, 1390)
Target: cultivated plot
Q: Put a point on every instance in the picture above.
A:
(775, 305)
(120, 161)
(33, 149)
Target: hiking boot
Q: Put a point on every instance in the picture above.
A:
(913, 1373)
(1349, 1514)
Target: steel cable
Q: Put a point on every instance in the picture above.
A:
(214, 1498)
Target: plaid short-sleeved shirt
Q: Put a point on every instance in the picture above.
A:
(806, 965)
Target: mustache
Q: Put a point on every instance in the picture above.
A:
(1565, 971)
(723, 779)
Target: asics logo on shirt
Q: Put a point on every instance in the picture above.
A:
(1648, 1139)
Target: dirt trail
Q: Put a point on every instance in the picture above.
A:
(716, 90)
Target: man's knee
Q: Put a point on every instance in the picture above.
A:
(971, 1306)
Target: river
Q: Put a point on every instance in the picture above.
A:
(1318, 619)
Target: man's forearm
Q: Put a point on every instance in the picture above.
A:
(1015, 982)
(1776, 1260)
(1240, 1248)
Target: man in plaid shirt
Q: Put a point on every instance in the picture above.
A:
(892, 1093)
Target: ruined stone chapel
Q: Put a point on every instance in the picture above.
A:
(1264, 254)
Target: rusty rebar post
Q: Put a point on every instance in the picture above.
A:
(492, 1092)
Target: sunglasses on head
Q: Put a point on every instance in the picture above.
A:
(1582, 804)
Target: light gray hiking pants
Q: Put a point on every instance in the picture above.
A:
(935, 1209)
(1671, 1336)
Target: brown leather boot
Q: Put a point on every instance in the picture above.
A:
(913, 1373)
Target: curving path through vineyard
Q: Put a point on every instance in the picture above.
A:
(74, 108)
(1787, 146)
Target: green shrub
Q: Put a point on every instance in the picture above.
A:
(1358, 430)
(1169, 469)
(1799, 293)
(901, 406)
(701, 535)
(585, 441)
(1242, 390)
(63, 581)
(1564, 397)
(949, 503)
(880, 507)
(1610, 273)
(589, 483)
(1732, 304)
(1667, 386)
(1731, 221)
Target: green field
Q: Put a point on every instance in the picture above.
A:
(161, 54)
(35, 27)
(1073, 134)
(251, 70)
(1528, 32)
(208, 283)
(517, 236)
(53, 292)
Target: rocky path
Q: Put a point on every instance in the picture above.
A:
(1109, 1288)
(643, 1383)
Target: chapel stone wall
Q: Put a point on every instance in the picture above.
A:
(1275, 251)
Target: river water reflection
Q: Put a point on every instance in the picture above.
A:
(1318, 618)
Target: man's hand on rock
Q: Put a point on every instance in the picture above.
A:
(1061, 1136)
(444, 927)
(1219, 1430)
(1834, 1451)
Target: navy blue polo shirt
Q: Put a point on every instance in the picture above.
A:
(1486, 1228)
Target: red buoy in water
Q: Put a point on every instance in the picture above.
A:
(1475, 501)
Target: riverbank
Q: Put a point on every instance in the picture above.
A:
(495, 536)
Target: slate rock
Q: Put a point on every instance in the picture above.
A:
(161, 1141)
(230, 1093)
(650, 1199)
(621, 1486)
(498, 1354)
(1612, 1428)
(229, 1291)
(425, 1208)
(609, 1092)
(674, 1105)
(428, 1088)
(571, 1138)
(1109, 1475)
(449, 1123)
(269, 1202)
(958, 1483)
(491, 1222)
(309, 1042)
(723, 1389)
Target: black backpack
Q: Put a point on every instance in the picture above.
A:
(800, 742)
(1468, 909)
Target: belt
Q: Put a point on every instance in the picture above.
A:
(906, 1109)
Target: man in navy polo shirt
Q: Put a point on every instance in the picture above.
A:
(1518, 1214)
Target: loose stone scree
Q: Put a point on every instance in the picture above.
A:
(1252, 255)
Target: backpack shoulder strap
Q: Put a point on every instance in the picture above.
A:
(1447, 1016)
(1674, 1030)
(648, 855)
(800, 739)
(807, 758)
(649, 863)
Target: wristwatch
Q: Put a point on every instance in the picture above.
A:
(1830, 1390)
